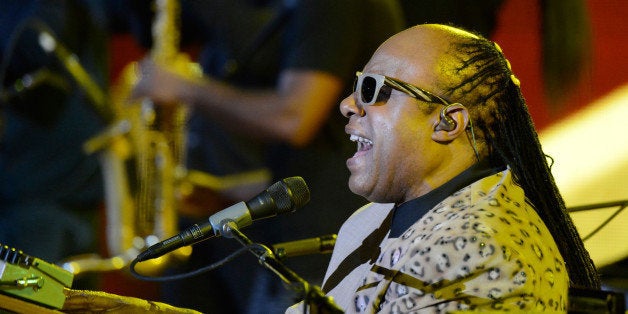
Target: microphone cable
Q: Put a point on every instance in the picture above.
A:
(193, 273)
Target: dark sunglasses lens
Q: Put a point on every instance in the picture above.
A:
(368, 89)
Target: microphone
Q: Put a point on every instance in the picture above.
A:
(282, 197)
(318, 245)
(70, 61)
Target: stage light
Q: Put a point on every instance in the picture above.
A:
(590, 150)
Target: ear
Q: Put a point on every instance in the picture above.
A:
(453, 122)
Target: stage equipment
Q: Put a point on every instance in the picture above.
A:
(585, 301)
(317, 245)
(32, 279)
(314, 299)
(282, 197)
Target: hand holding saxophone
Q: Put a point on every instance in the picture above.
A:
(164, 85)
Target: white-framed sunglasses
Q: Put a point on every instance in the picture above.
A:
(369, 85)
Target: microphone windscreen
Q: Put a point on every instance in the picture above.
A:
(298, 192)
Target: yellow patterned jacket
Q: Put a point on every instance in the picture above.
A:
(483, 248)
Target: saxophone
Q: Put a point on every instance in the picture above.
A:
(142, 156)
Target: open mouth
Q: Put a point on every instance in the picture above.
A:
(363, 143)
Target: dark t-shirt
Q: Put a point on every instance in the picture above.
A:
(337, 37)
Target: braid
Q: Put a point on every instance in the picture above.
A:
(484, 81)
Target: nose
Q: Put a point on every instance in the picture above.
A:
(349, 107)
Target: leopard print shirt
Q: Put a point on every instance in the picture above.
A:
(484, 248)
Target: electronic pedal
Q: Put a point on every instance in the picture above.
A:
(32, 279)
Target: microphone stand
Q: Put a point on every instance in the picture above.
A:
(312, 294)
(623, 203)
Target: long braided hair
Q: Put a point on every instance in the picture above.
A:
(484, 82)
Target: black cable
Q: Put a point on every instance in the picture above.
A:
(606, 222)
(188, 274)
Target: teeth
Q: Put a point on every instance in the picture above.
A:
(356, 138)
(363, 143)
